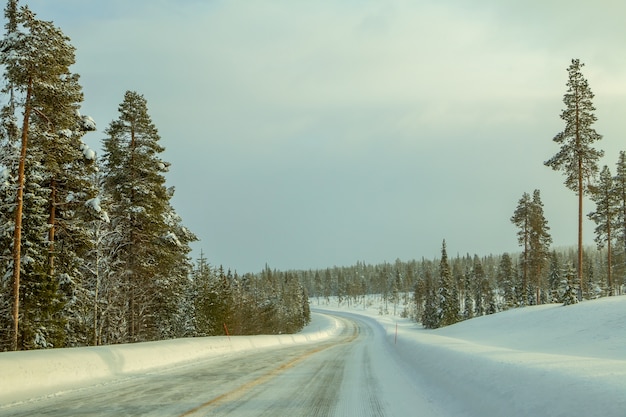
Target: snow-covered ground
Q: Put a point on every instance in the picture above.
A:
(544, 360)
(541, 360)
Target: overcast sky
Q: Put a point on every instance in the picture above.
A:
(307, 134)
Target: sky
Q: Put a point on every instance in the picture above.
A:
(317, 134)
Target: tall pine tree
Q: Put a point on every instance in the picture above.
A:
(577, 157)
(48, 174)
(148, 243)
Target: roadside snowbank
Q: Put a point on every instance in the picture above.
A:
(37, 373)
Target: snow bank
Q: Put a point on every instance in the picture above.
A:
(32, 374)
(483, 379)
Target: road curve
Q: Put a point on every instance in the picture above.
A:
(354, 374)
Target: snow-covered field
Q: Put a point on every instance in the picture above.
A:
(546, 360)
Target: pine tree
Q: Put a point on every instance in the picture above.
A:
(540, 241)
(430, 316)
(605, 195)
(577, 158)
(202, 278)
(49, 173)
(468, 301)
(96, 265)
(619, 184)
(534, 237)
(479, 277)
(318, 289)
(447, 292)
(489, 300)
(554, 277)
(419, 297)
(568, 288)
(396, 285)
(521, 218)
(506, 276)
(148, 244)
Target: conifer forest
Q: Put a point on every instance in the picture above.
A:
(103, 255)
(92, 252)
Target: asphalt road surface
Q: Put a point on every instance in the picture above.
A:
(355, 374)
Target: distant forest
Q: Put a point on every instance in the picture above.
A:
(469, 285)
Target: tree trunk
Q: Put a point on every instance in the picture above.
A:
(609, 249)
(17, 234)
(97, 287)
(580, 227)
(52, 227)
(525, 269)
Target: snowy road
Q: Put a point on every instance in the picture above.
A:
(354, 374)
(545, 360)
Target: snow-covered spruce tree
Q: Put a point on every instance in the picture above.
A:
(447, 292)
(174, 269)
(42, 115)
(395, 284)
(294, 305)
(619, 184)
(201, 301)
(506, 280)
(577, 158)
(479, 276)
(149, 246)
(488, 297)
(268, 290)
(468, 299)
(606, 197)
(554, 277)
(568, 290)
(419, 295)
(93, 296)
(430, 315)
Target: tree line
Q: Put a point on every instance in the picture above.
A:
(92, 251)
(462, 286)
(270, 302)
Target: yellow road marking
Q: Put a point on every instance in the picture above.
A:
(241, 390)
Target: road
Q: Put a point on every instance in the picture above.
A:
(355, 374)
